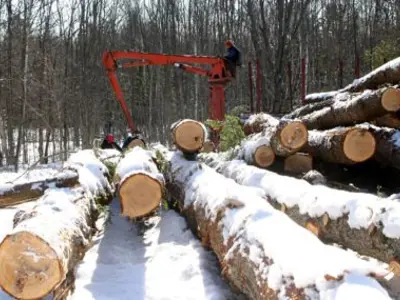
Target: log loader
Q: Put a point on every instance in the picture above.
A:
(217, 73)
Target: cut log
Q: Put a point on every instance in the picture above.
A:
(39, 255)
(366, 107)
(11, 194)
(188, 135)
(388, 73)
(140, 183)
(298, 163)
(286, 136)
(389, 120)
(246, 234)
(256, 150)
(342, 146)
(388, 144)
(350, 214)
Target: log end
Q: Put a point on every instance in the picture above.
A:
(264, 156)
(29, 267)
(208, 147)
(294, 135)
(136, 143)
(312, 226)
(139, 194)
(359, 145)
(391, 99)
(189, 136)
(298, 163)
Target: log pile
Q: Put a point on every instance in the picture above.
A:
(39, 255)
(248, 235)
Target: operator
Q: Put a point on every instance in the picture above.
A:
(233, 57)
(109, 143)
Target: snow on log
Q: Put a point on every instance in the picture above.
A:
(341, 145)
(389, 73)
(255, 243)
(12, 194)
(365, 107)
(39, 255)
(286, 136)
(387, 144)
(389, 120)
(318, 97)
(312, 107)
(188, 135)
(140, 183)
(298, 163)
(363, 222)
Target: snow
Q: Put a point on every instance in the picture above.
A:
(262, 118)
(39, 173)
(91, 172)
(167, 263)
(255, 222)
(322, 96)
(396, 139)
(316, 200)
(138, 161)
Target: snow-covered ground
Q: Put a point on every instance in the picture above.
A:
(168, 262)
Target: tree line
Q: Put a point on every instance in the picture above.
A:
(54, 89)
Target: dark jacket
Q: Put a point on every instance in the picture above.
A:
(233, 55)
(398, 114)
(107, 145)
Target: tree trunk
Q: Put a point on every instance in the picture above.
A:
(365, 107)
(188, 135)
(14, 194)
(342, 146)
(346, 218)
(140, 183)
(39, 255)
(298, 163)
(236, 223)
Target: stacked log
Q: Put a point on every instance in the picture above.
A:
(359, 221)
(39, 255)
(188, 135)
(12, 194)
(248, 235)
(141, 185)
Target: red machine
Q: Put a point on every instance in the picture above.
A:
(218, 75)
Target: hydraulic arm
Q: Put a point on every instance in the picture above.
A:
(218, 76)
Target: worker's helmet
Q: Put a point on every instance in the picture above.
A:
(110, 138)
(228, 43)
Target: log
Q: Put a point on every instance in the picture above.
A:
(362, 222)
(366, 107)
(12, 194)
(188, 135)
(389, 73)
(343, 146)
(256, 150)
(387, 144)
(286, 136)
(248, 235)
(141, 185)
(298, 163)
(39, 255)
(389, 120)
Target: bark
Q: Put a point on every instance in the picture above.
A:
(20, 193)
(212, 219)
(286, 136)
(387, 145)
(365, 107)
(343, 146)
(188, 135)
(389, 120)
(298, 163)
(369, 240)
(141, 185)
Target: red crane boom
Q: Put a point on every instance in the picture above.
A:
(218, 75)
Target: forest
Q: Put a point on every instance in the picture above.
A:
(55, 93)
